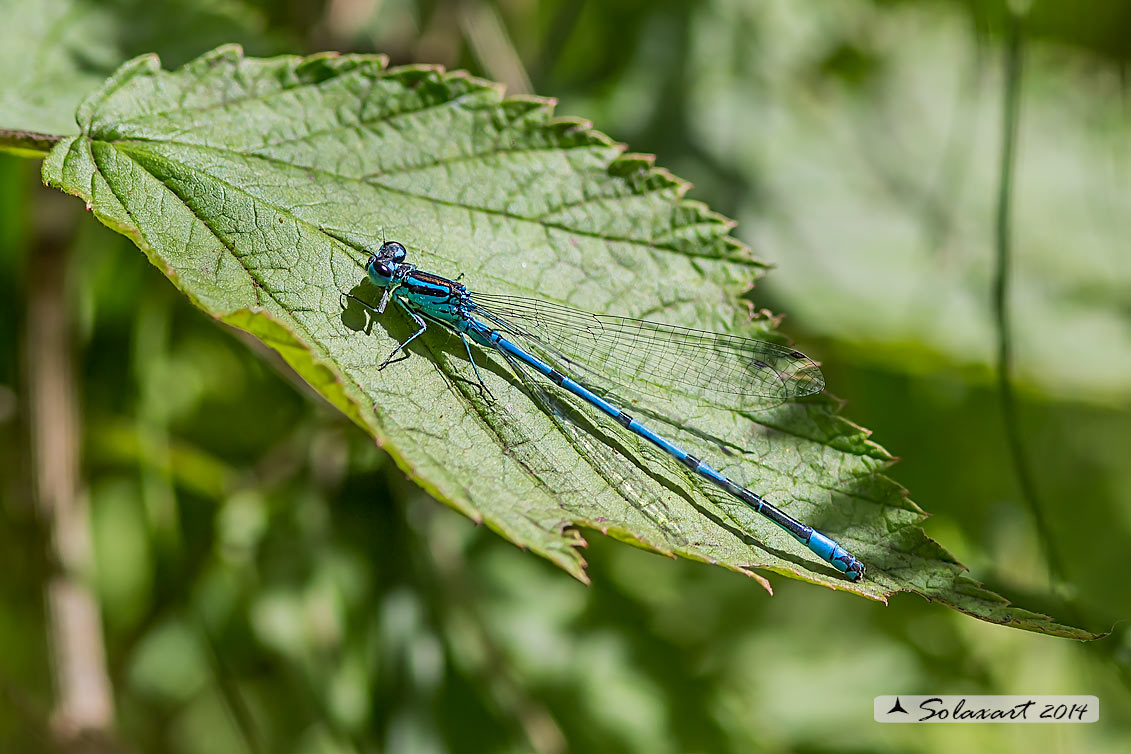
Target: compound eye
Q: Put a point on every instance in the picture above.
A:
(384, 270)
(395, 251)
(372, 259)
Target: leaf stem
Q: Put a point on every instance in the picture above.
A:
(1004, 240)
(14, 140)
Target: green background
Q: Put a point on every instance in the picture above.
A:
(270, 582)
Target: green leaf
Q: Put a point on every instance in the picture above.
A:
(889, 182)
(55, 52)
(261, 186)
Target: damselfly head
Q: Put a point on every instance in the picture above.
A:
(383, 265)
(391, 251)
(378, 267)
(380, 272)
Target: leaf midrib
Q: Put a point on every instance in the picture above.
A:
(336, 246)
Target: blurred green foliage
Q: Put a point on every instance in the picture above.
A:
(270, 583)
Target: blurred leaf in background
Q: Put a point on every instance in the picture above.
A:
(55, 52)
(269, 583)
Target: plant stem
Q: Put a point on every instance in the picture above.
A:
(1011, 107)
(13, 140)
(84, 708)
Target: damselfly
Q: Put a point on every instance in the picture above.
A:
(733, 371)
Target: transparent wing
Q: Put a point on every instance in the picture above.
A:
(616, 468)
(735, 372)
